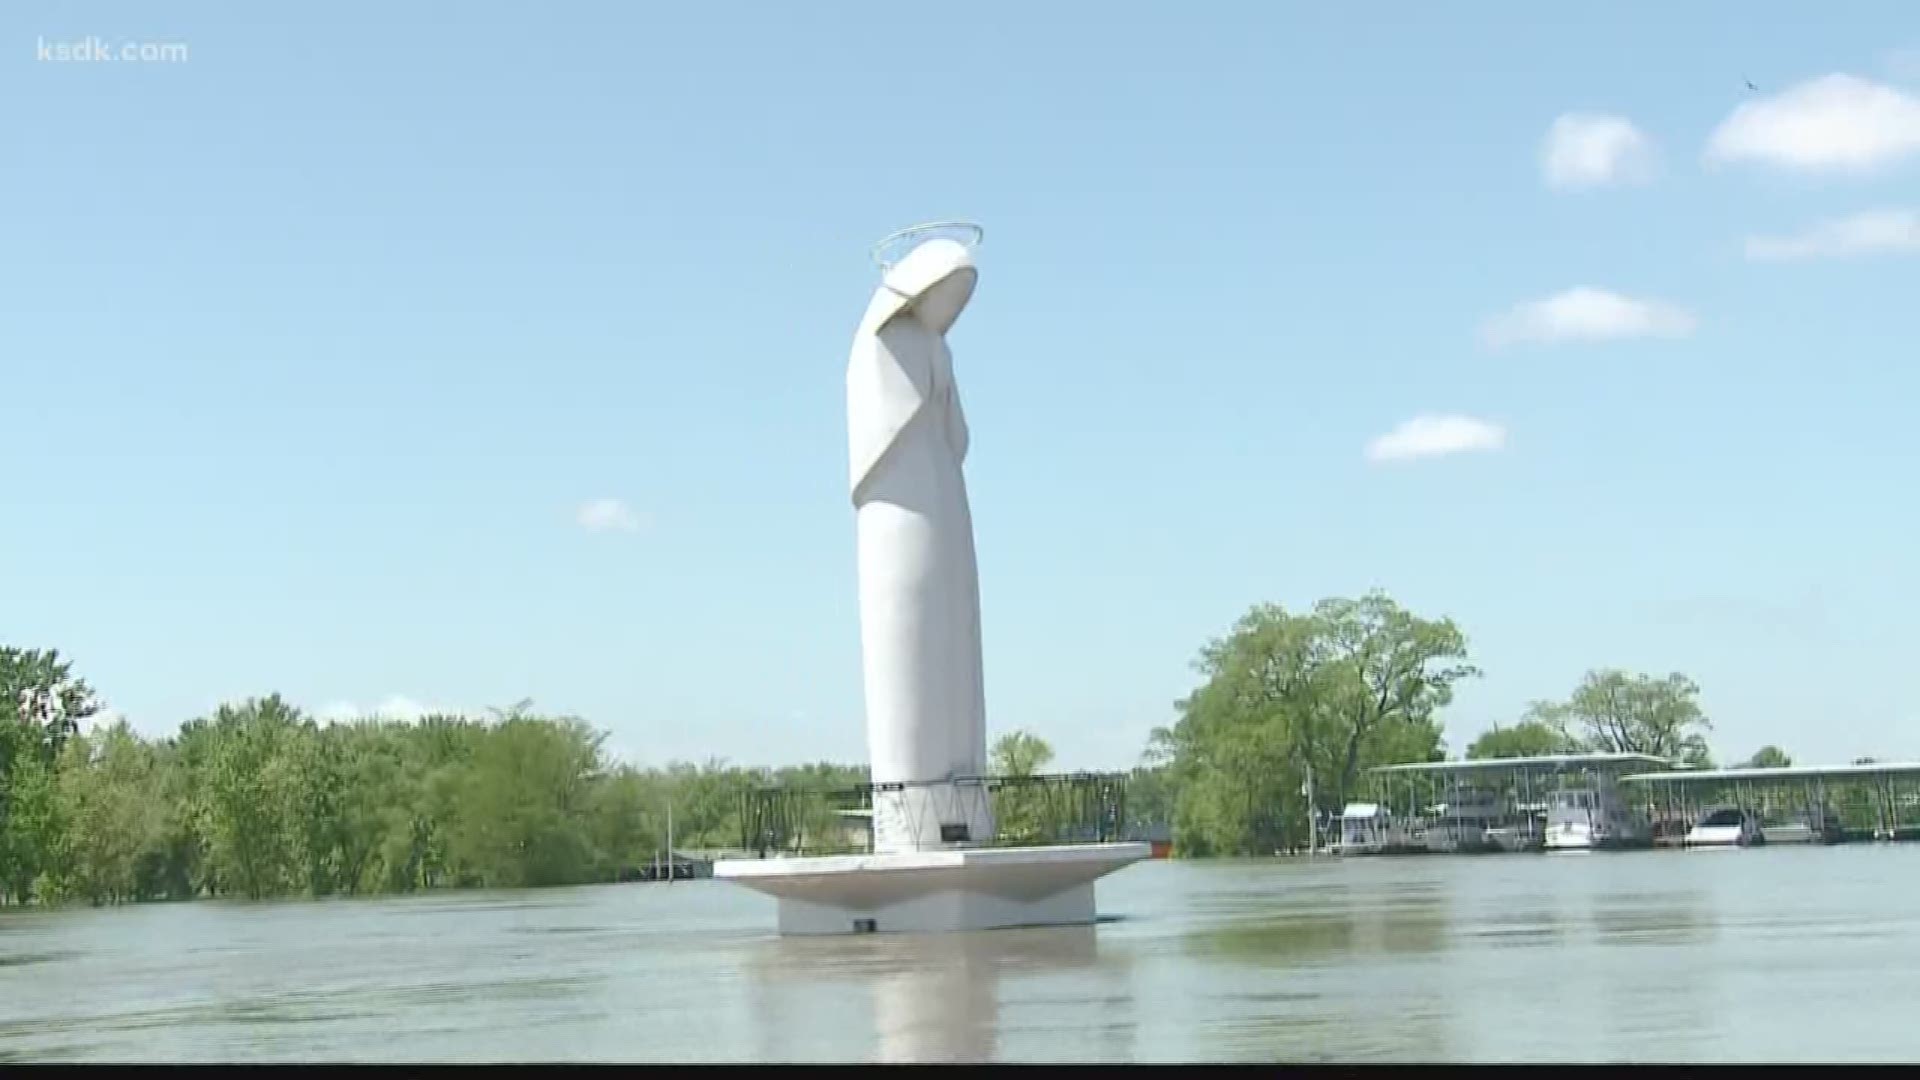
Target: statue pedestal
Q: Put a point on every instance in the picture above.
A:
(934, 891)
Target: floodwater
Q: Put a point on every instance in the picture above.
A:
(1770, 954)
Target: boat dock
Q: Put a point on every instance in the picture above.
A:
(1582, 801)
(1865, 801)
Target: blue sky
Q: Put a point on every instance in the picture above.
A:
(315, 347)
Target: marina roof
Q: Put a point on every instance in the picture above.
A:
(1543, 762)
(1790, 772)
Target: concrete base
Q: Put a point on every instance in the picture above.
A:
(934, 891)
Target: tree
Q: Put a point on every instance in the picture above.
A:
(251, 790)
(38, 689)
(41, 706)
(1638, 714)
(1352, 684)
(1769, 757)
(31, 833)
(1018, 809)
(1150, 797)
(177, 869)
(521, 805)
(1531, 737)
(1244, 733)
(623, 822)
(110, 806)
(707, 801)
(1020, 753)
(1402, 670)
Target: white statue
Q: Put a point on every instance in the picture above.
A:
(919, 584)
(932, 867)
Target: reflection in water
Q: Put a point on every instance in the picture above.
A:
(1668, 917)
(1319, 921)
(1280, 938)
(1326, 962)
(1525, 922)
(931, 997)
(1674, 998)
(937, 1004)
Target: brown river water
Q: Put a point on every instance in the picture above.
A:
(1767, 954)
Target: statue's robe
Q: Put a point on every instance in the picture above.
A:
(919, 581)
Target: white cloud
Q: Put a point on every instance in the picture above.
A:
(1836, 123)
(1870, 233)
(1584, 150)
(1586, 314)
(609, 515)
(1436, 436)
(403, 708)
(396, 707)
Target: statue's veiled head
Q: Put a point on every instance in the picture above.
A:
(935, 280)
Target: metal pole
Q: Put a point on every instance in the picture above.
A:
(1526, 780)
(1886, 789)
(670, 861)
(1452, 834)
(1313, 834)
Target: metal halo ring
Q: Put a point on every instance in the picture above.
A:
(883, 252)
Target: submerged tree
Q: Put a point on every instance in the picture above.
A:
(257, 800)
(1353, 683)
(252, 794)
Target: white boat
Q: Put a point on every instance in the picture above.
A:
(1726, 827)
(1593, 816)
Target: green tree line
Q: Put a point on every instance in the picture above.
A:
(1292, 709)
(260, 800)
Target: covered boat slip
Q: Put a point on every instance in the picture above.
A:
(1869, 800)
(1520, 803)
(1495, 804)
